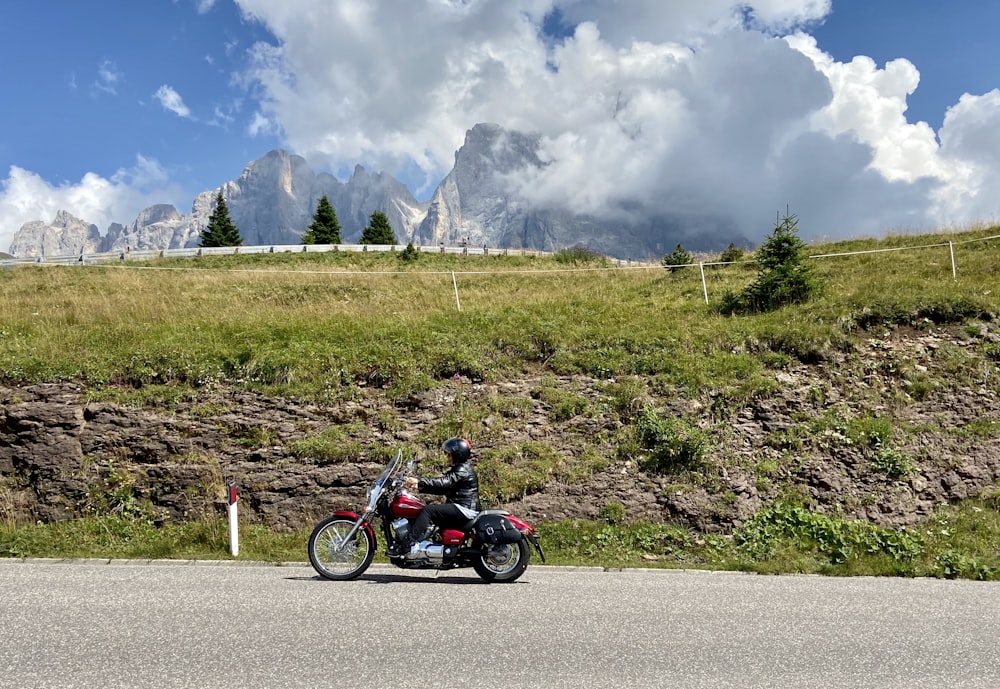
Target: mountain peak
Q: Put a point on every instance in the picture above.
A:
(480, 202)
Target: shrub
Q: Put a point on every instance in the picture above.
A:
(838, 540)
(578, 255)
(676, 260)
(892, 463)
(409, 254)
(613, 513)
(668, 444)
(732, 254)
(953, 565)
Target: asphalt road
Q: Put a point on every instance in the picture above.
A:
(170, 624)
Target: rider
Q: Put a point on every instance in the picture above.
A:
(459, 485)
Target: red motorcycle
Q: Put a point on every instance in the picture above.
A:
(494, 542)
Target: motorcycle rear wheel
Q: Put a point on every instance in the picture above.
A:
(504, 563)
(334, 559)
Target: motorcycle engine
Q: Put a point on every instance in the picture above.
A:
(401, 527)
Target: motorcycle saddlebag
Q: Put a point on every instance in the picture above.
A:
(496, 529)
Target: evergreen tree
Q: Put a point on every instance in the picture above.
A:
(409, 254)
(733, 254)
(325, 228)
(676, 260)
(220, 230)
(784, 278)
(379, 231)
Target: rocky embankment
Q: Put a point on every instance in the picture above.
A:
(886, 432)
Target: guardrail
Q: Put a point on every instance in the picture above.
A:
(190, 252)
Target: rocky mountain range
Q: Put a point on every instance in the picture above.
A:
(273, 200)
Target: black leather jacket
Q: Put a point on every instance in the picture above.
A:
(459, 485)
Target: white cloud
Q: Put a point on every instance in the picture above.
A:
(870, 104)
(261, 125)
(108, 79)
(204, 6)
(621, 23)
(970, 141)
(25, 196)
(172, 101)
(677, 108)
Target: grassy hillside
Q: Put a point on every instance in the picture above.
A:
(321, 326)
(315, 324)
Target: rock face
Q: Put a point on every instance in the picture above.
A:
(62, 456)
(157, 227)
(272, 202)
(478, 203)
(65, 236)
(274, 199)
(473, 203)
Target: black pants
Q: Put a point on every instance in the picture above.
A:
(446, 516)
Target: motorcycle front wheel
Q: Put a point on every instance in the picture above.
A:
(503, 563)
(334, 557)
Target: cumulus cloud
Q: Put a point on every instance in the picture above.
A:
(970, 141)
(25, 196)
(704, 106)
(172, 101)
(656, 21)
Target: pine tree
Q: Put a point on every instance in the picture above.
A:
(325, 228)
(379, 231)
(785, 276)
(676, 260)
(220, 230)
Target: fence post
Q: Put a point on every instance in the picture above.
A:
(704, 287)
(455, 283)
(234, 534)
(951, 248)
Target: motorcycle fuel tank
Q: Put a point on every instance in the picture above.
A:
(405, 505)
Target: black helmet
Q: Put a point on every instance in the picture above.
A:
(458, 449)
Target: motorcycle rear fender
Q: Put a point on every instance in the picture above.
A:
(347, 514)
(528, 533)
(519, 524)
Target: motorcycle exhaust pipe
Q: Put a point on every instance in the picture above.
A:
(433, 552)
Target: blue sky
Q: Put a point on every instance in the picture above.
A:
(85, 77)
(953, 44)
(112, 105)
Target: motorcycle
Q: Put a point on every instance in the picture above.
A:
(494, 543)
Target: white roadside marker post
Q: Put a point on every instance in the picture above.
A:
(234, 533)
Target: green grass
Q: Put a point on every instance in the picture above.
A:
(124, 537)
(311, 324)
(959, 541)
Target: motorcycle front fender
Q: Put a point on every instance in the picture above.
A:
(354, 516)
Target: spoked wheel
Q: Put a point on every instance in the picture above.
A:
(335, 558)
(503, 563)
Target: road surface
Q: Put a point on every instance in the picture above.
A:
(179, 624)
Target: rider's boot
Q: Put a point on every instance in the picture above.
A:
(401, 547)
